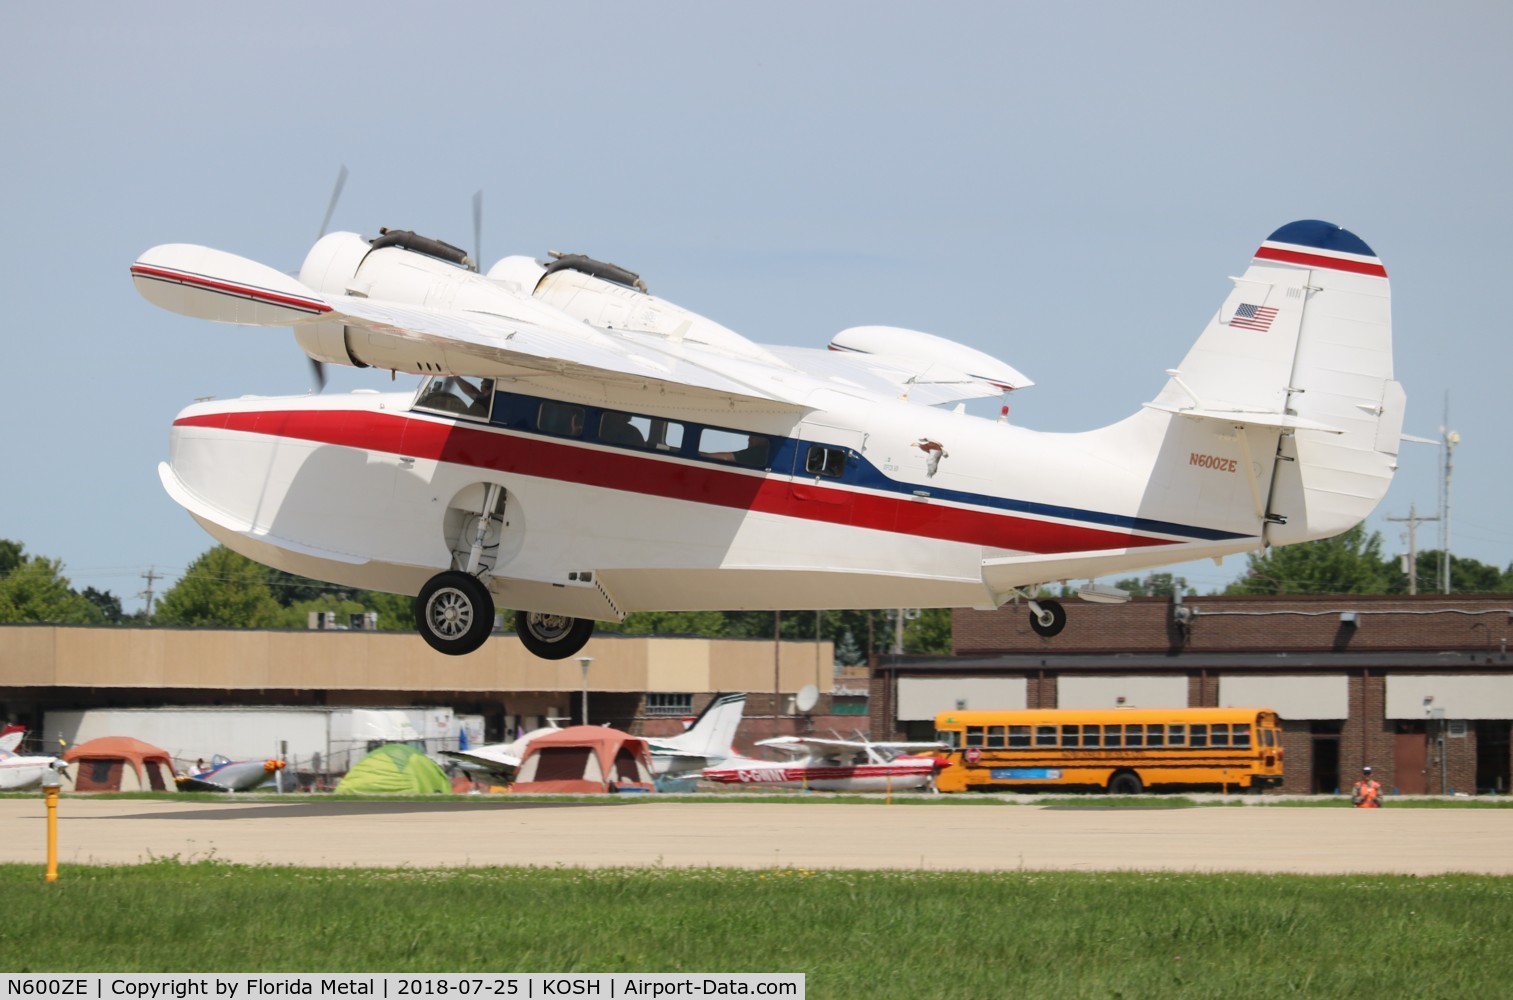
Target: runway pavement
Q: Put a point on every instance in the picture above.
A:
(936, 836)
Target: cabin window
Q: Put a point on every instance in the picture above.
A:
(750, 450)
(561, 419)
(634, 430)
(460, 397)
(823, 461)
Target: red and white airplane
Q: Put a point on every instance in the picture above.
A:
(832, 765)
(581, 449)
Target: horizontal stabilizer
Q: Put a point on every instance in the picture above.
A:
(212, 284)
(1248, 418)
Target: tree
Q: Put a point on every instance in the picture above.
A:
(108, 603)
(1467, 576)
(1156, 585)
(1348, 563)
(221, 588)
(35, 590)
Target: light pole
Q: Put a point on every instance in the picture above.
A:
(584, 661)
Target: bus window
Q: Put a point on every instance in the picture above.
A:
(1091, 736)
(1134, 736)
(1113, 736)
(1199, 735)
(1268, 737)
(1068, 736)
(1176, 735)
(974, 736)
(1045, 736)
(1242, 734)
(1155, 735)
(995, 738)
(1019, 737)
(950, 737)
(1219, 734)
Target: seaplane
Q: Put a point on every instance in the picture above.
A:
(676, 760)
(579, 449)
(835, 765)
(22, 771)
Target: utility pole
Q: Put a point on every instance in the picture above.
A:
(1413, 522)
(151, 576)
(1449, 439)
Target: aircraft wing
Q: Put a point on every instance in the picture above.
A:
(490, 332)
(494, 760)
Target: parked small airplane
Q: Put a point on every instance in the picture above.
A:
(18, 771)
(227, 775)
(676, 760)
(835, 765)
(581, 449)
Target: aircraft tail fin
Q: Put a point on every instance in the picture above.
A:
(212, 284)
(713, 732)
(1290, 387)
(10, 737)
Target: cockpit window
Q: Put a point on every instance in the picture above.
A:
(455, 395)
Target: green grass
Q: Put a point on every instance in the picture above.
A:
(854, 934)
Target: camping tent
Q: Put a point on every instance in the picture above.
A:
(117, 764)
(394, 768)
(585, 759)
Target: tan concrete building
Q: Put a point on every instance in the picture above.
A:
(644, 685)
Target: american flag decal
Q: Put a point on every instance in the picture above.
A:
(1249, 317)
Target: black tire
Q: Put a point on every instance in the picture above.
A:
(1057, 615)
(1125, 783)
(454, 613)
(552, 637)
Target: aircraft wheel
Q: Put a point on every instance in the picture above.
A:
(1125, 783)
(552, 637)
(1051, 619)
(454, 613)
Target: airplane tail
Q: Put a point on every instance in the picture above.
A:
(1285, 413)
(713, 732)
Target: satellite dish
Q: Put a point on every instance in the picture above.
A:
(807, 698)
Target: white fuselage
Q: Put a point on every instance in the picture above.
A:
(903, 773)
(367, 491)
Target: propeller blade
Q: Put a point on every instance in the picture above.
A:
(478, 230)
(341, 180)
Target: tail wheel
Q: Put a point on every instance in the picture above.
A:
(552, 637)
(1125, 783)
(1049, 620)
(454, 613)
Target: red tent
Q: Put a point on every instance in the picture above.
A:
(585, 759)
(119, 764)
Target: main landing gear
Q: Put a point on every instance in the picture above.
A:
(455, 614)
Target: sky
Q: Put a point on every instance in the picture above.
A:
(1067, 187)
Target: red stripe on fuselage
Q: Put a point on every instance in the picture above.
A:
(1320, 260)
(633, 472)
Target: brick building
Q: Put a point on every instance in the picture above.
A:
(1421, 687)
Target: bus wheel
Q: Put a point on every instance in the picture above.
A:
(1125, 783)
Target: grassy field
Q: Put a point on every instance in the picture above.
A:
(854, 934)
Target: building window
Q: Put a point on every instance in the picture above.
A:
(669, 704)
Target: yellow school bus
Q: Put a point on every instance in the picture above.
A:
(1123, 750)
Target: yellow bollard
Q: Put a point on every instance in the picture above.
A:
(50, 783)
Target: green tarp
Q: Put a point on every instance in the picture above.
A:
(394, 768)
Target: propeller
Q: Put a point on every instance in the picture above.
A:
(478, 230)
(317, 368)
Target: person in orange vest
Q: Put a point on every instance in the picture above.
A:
(1367, 793)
